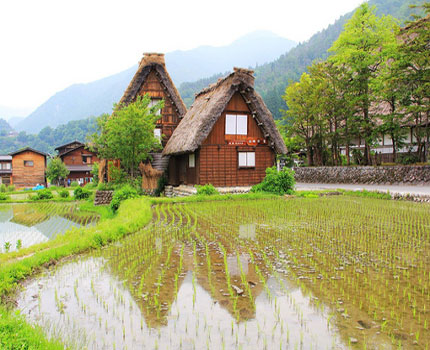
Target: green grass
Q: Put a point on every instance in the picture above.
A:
(132, 215)
(16, 333)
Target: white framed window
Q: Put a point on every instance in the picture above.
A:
(191, 160)
(246, 159)
(157, 133)
(153, 102)
(230, 124)
(236, 124)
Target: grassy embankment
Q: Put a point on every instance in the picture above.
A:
(15, 333)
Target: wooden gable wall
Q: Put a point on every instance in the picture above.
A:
(25, 176)
(75, 157)
(217, 159)
(170, 117)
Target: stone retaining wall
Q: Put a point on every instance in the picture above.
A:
(103, 197)
(380, 175)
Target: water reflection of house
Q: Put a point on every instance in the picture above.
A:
(213, 282)
(79, 160)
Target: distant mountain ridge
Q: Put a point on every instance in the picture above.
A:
(80, 101)
(272, 78)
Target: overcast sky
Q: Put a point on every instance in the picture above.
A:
(47, 45)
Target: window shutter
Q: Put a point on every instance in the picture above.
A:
(230, 124)
(242, 124)
(250, 159)
(242, 159)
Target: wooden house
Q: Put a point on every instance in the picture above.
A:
(5, 169)
(227, 138)
(28, 167)
(153, 79)
(79, 160)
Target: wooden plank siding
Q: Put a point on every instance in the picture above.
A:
(75, 157)
(169, 115)
(28, 176)
(217, 162)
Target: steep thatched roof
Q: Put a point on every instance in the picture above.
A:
(153, 61)
(208, 107)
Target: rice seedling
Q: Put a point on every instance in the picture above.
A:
(270, 273)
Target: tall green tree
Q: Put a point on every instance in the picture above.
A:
(56, 171)
(413, 75)
(305, 119)
(128, 134)
(360, 49)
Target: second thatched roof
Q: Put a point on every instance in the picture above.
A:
(149, 62)
(208, 107)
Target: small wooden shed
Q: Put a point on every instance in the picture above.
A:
(227, 138)
(28, 167)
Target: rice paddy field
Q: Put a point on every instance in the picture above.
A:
(23, 225)
(289, 273)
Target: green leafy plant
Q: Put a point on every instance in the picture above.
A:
(7, 246)
(3, 196)
(207, 190)
(74, 184)
(64, 193)
(122, 194)
(103, 186)
(276, 182)
(43, 194)
(2, 188)
(56, 171)
(11, 188)
(81, 193)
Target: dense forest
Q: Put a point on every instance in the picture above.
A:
(272, 78)
(47, 139)
(373, 86)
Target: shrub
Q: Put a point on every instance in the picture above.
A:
(102, 186)
(3, 196)
(11, 188)
(122, 194)
(74, 184)
(64, 193)
(407, 158)
(161, 183)
(90, 185)
(2, 188)
(43, 194)
(206, 190)
(276, 182)
(81, 193)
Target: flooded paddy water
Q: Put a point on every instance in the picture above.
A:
(23, 225)
(330, 273)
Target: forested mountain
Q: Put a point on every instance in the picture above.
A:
(82, 100)
(5, 128)
(49, 138)
(272, 78)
